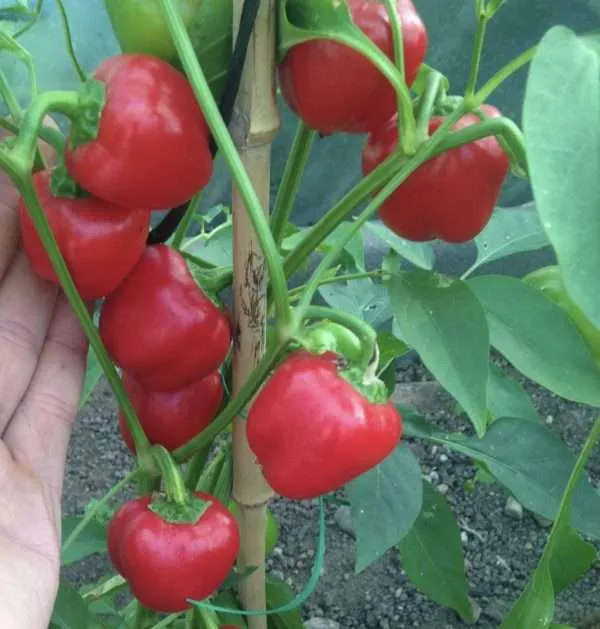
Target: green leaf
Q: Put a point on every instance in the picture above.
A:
(355, 247)
(217, 249)
(446, 324)
(90, 541)
(229, 601)
(561, 113)
(535, 608)
(538, 338)
(362, 298)
(419, 254)
(571, 558)
(432, 555)
(534, 465)
(279, 594)
(390, 349)
(385, 502)
(70, 610)
(510, 231)
(507, 398)
(93, 373)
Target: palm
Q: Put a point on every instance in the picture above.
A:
(42, 360)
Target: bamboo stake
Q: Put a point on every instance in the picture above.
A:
(254, 126)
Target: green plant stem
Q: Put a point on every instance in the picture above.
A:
(227, 147)
(174, 484)
(425, 152)
(35, 14)
(89, 516)
(502, 75)
(295, 293)
(25, 145)
(426, 105)
(195, 467)
(290, 182)
(8, 95)
(69, 41)
(405, 116)
(366, 334)
(209, 475)
(51, 136)
(482, 22)
(209, 618)
(235, 405)
(186, 221)
(142, 614)
(22, 179)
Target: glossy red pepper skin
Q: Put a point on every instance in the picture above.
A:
(152, 146)
(119, 522)
(171, 418)
(166, 563)
(450, 197)
(160, 326)
(333, 88)
(101, 242)
(312, 431)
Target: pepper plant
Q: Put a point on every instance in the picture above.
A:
(291, 391)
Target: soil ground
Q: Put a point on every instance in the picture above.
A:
(500, 550)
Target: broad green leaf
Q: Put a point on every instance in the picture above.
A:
(419, 254)
(507, 398)
(528, 459)
(70, 610)
(535, 608)
(216, 250)
(362, 298)
(279, 594)
(355, 247)
(510, 231)
(534, 465)
(447, 326)
(572, 557)
(561, 113)
(93, 373)
(538, 338)
(432, 555)
(90, 541)
(385, 502)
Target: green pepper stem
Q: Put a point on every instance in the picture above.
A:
(173, 481)
(366, 334)
(425, 152)
(69, 41)
(426, 105)
(25, 145)
(49, 135)
(296, 293)
(482, 22)
(225, 143)
(91, 514)
(21, 176)
(8, 95)
(195, 466)
(398, 40)
(235, 405)
(290, 182)
(209, 618)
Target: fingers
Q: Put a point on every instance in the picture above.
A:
(38, 435)
(26, 306)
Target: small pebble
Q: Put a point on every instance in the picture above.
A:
(513, 509)
(321, 623)
(343, 518)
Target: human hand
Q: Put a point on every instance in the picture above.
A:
(42, 363)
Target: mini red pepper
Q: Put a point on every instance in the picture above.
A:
(312, 430)
(160, 327)
(168, 563)
(450, 197)
(100, 242)
(152, 147)
(171, 418)
(333, 88)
